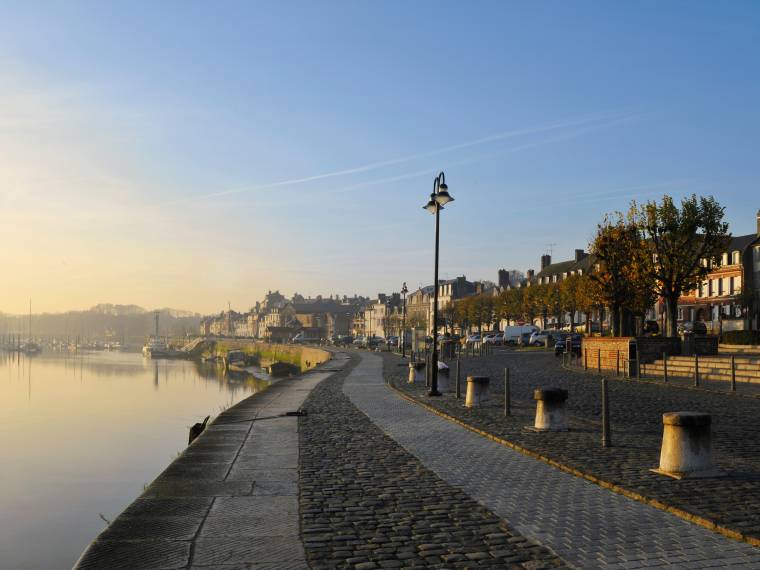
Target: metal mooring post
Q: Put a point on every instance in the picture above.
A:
(733, 374)
(599, 360)
(507, 402)
(585, 358)
(458, 388)
(617, 362)
(665, 366)
(696, 370)
(606, 436)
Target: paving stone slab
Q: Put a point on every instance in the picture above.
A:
(130, 555)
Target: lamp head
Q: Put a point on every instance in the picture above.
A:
(432, 205)
(443, 197)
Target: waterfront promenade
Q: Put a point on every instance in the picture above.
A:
(369, 479)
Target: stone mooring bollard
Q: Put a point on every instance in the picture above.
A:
(477, 391)
(415, 371)
(686, 450)
(550, 410)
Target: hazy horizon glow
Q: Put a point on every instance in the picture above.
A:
(185, 155)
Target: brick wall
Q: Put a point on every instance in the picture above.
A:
(604, 351)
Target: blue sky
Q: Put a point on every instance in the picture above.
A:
(191, 153)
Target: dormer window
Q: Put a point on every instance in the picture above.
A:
(724, 259)
(736, 258)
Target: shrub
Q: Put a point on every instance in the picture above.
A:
(741, 337)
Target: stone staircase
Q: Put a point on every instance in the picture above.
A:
(710, 368)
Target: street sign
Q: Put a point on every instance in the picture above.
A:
(520, 323)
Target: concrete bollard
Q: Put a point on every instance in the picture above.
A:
(686, 446)
(443, 377)
(415, 371)
(550, 409)
(477, 391)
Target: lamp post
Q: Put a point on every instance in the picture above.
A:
(404, 291)
(438, 199)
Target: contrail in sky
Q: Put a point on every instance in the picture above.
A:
(574, 134)
(585, 120)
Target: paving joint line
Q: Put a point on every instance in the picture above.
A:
(676, 511)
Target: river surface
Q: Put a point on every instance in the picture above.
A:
(82, 434)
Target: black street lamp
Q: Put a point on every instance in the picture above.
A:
(438, 199)
(404, 291)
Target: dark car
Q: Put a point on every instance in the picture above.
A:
(575, 344)
(651, 328)
(693, 327)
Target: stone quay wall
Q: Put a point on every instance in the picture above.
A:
(305, 357)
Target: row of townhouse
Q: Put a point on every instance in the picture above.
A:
(279, 319)
(723, 301)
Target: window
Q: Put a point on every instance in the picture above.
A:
(736, 258)
(680, 314)
(724, 259)
(720, 287)
(731, 286)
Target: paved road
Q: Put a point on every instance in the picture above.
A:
(585, 524)
(230, 501)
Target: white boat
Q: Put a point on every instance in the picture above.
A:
(155, 348)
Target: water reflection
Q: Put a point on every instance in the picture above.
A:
(81, 433)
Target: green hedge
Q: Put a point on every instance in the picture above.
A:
(741, 337)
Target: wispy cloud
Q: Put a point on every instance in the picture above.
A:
(594, 120)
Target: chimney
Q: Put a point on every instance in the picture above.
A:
(503, 278)
(579, 254)
(531, 274)
(546, 260)
(758, 223)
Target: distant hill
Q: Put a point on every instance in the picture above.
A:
(117, 310)
(129, 323)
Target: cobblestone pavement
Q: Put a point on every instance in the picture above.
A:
(586, 525)
(229, 502)
(367, 503)
(636, 414)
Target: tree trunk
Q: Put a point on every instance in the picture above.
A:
(616, 320)
(671, 311)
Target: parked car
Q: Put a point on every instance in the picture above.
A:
(359, 341)
(493, 338)
(575, 344)
(692, 327)
(393, 341)
(538, 338)
(513, 334)
(473, 338)
(651, 328)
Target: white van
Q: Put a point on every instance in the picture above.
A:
(512, 334)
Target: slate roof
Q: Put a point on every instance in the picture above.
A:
(561, 267)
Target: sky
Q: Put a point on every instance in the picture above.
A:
(190, 154)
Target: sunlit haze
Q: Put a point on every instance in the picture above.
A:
(187, 154)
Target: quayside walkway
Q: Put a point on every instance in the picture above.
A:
(587, 525)
(229, 501)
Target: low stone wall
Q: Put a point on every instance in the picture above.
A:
(700, 345)
(651, 348)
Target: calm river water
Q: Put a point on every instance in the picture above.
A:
(80, 435)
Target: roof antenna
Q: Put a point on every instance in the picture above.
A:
(550, 248)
